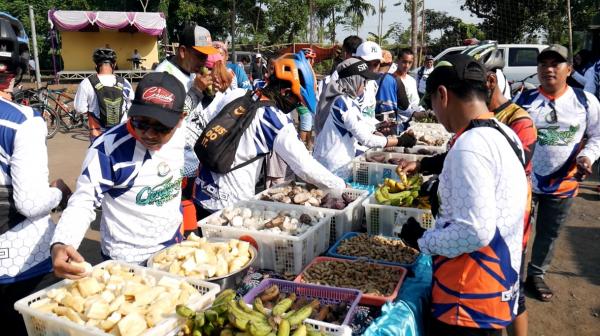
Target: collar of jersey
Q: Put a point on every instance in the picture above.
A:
(553, 97)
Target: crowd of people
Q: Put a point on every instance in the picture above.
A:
(196, 137)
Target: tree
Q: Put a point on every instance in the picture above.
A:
(452, 30)
(413, 6)
(357, 9)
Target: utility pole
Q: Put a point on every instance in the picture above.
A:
(414, 26)
(422, 33)
(233, 15)
(38, 79)
(570, 32)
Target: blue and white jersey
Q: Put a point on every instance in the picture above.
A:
(592, 80)
(387, 99)
(25, 247)
(344, 128)
(271, 130)
(139, 191)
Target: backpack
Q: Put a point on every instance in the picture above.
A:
(110, 100)
(220, 139)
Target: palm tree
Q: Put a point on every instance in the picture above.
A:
(358, 9)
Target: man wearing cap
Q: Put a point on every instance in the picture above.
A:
(258, 69)
(340, 124)
(476, 247)
(567, 120)
(369, 52)
(134, 172)
(423, 74)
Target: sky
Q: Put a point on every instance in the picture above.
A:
(397, 14)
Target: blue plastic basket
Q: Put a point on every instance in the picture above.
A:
(332, 252)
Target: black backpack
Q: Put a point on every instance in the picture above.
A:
(219, 141)
(110, 100)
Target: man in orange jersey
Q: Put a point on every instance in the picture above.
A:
(564, 117)
(478, 234)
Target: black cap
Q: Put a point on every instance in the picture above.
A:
(159, 96)
(556, 50)
(452, 69)
(354, 66)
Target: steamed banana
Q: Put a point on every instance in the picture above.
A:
(403, 193)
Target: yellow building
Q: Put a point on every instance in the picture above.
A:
(82, 32)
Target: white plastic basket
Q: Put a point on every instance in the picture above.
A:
(42, 324)
(282, 253)
(329, 328)
(346, 220)
(411, 150)
(382, 219)
(373, 173)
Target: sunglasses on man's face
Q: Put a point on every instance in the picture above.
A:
(551, 117)
(145, 126)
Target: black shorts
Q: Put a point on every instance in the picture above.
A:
(439, 328)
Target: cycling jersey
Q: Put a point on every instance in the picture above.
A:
(477, 238)
(271, 130)
(138, 190)
(422, 76)
(86, 100)
(562, 122)
(388, 100)
(592, 80)
(240, 76)
(344, 128)
(25, 246)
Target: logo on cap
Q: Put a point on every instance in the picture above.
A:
(159, 96)
(362, 67)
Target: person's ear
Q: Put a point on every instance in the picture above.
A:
(181, 51)
(569, 69)
(443, 94)
(491, 82)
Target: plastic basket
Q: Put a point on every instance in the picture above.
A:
(382, 219)
(325, 295)
(412, 150)
(342, 221)
(333, 252)
(367, 299)
(282, 253)
(374, 173)
(40, 323)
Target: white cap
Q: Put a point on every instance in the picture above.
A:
(258, 55)
(369, 51)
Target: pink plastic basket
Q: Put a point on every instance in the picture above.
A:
(325, 294)
(367, 299)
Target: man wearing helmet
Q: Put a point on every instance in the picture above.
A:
(104, 96)
(291, 84)
(26, 199)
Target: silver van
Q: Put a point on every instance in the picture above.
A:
(521, 61)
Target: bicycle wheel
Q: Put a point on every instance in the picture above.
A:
(49, 117)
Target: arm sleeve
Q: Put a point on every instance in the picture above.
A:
(95, 179)
(470, 201)
(361, 130)
(578, 77)
(289, 147)
(592, 146)
(29, 171)
(82, 102)
(590, 82)
(433, 164)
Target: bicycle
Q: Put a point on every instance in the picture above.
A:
(517, 87)
(68, 118)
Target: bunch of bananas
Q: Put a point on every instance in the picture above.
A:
(404, 193)
(229, 317)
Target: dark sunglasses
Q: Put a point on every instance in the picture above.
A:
(551, 117)
(144, 126)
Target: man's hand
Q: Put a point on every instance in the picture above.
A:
(61, 255)
(64, 189)
(408, 167)
(584, 168)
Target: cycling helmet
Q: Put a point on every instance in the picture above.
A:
(295, 69)
(14, 48)
(488, 54)
(309, 53)
(104, 55)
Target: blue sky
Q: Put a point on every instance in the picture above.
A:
(397, 14)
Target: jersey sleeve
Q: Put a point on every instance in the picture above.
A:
(592, 146)
(527, 133)
(590, 80)
(83, 99)
(289, 147)
(29, 171)
(468, 199)
(96, 178)
(351, 118)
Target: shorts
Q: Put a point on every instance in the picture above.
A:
(306, 121)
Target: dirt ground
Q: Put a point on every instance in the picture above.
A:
(574, 275)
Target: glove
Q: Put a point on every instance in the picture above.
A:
(407, 139)
(411, 232)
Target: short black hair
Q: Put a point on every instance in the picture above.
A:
(405, 51)
(468, 90)
(351, 43)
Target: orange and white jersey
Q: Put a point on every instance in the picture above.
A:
(477, 238)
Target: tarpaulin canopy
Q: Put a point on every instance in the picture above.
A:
(147, 23)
